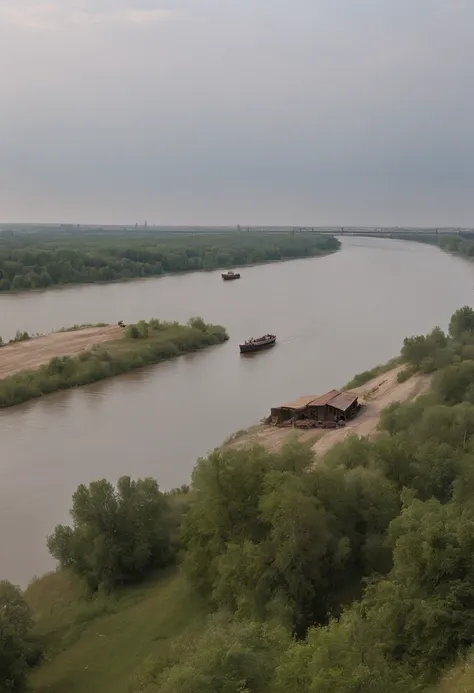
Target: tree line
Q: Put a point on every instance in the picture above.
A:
(349, 573)
(40, 260)
(451, 243)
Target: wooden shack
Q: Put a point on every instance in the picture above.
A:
(335, 405)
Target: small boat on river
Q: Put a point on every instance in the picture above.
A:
(264, 342)
(230, 275)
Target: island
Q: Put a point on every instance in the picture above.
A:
(37, 366)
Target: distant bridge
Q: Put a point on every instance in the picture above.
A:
(378, 231)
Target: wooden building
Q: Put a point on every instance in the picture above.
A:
(335, 405)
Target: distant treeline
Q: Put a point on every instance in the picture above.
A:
(142, 344)
(458, 244)
(461, 243)
(37, 261)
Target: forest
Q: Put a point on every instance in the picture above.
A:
(39, 260)
(274, 571)
(143, 344)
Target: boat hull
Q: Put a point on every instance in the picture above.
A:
(256, 346)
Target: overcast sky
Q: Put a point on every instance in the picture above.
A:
(237, 111)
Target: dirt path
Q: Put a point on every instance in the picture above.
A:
(29, 355)
(374, 396)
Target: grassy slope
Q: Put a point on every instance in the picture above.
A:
(103, 645)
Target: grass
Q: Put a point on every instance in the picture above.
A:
(75, 328)
(460, 679)
(361, 378)
(108, 643)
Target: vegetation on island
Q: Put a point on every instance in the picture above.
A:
(143, 344)
(40, 260)
(271, 573)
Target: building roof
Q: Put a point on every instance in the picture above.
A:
(343, 400)
(322, 400)
(334, 398)
(299, 403)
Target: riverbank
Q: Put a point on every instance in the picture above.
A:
(42, 260)
(141, 637)
(374, 396)
(65, 359)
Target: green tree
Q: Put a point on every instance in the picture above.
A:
(118, 535)
(461, 321)
(226, 486)
(455, 383)
(15, 645)
(340, 658)
(423, 612)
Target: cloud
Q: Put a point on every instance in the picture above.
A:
(51, 16)
(323, 110)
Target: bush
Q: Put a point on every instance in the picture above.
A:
(230, 656)
(404, 375)
(132, 332)
(362, 378)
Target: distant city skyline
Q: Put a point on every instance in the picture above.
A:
(203, 112)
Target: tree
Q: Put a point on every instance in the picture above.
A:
(227, 486)
(461, 321)
(118, 535)
(340, 658)
(17, 283)
(454, 383)
(197, 324)
(423, 612)
(301, 545)
(15, 648)
(427, 352)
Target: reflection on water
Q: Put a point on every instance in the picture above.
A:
(333, 317)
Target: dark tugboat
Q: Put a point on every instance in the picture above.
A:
(230, 275)
(257, 344)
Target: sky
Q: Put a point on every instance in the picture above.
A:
(208, 112)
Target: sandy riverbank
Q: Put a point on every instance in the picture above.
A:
(33, 353)
(375, 395)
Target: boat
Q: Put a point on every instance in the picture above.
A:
(264, 342)
(230, 275)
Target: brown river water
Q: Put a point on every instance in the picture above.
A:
(333, 316)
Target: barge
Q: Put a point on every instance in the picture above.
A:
(264, 342)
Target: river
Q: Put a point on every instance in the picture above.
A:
(333, 316)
